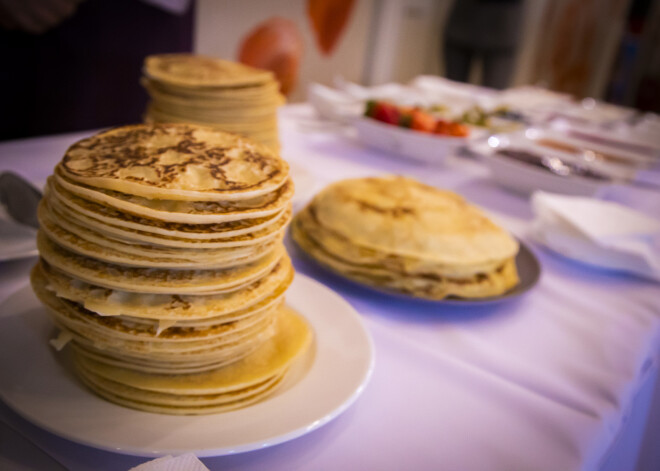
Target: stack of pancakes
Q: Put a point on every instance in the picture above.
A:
(162, 263)
(229, 96)
(397, 234)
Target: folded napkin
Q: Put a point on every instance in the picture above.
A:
(333, 104)
(600, 233)
(187, 462)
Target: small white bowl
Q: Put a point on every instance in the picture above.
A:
(425, 147)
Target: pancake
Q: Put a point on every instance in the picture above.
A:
(197, 71)
(223, 109)
(151, 365)
(400, 235)
(230, 121)
(401, 216)
(212, 344)
(161, 258)
(128, 394)
(425, 285)
(239, 99)
(115, 223)
(341, 247)
(215, 96)
(171, 307)
(83, 241)
(116, 333)
(174, 162)
(187, 212)
(125, 398)
(293, 337)
(258, 131)
(154, 280)
(205, 91)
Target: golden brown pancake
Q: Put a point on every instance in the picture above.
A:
(398, 234)
(175, 162)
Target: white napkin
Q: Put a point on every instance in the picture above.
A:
(187, 462)
(601, 233)
(333, 104)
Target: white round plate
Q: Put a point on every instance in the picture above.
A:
(38, 383)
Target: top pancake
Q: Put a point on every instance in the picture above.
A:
(190, 70)
(181, 162)
(401, 216)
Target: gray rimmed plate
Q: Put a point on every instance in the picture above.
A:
(529, 272)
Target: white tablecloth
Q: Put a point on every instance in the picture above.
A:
(543, 382)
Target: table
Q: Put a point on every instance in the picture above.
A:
(563, 378)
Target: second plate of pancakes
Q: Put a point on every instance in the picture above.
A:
(399, 236)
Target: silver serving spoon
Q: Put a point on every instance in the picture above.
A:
(19, 198)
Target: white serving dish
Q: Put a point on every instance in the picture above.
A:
(424, 147)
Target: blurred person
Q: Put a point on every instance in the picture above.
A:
(71, 65)
(485, 30)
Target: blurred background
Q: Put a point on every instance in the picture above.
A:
(72, 65)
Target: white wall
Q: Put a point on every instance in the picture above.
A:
(385, 40)
(221, 25)
(406, 39)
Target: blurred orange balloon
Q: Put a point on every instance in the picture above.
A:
(329, 18)
(275, 45)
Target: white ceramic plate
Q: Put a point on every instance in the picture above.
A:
(39, 385)
(416, 145)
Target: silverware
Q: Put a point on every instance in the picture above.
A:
(20, 198)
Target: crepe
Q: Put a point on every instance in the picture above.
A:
(127, 226)
(342, 247)
(174, 162)
(189, 70)
(170, 307)
(161, 256)
(239, 99)
(186, 88)
(175, 404)
(235, 385)
(397, 234)
(83, 241)
(186, 212)
(293, 337)
(154, 280)
(399, 215)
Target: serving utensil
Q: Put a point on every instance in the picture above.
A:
(20, 198)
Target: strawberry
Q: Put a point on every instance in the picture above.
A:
(387, 113)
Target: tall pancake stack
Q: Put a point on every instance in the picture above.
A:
(232, 97)
(162, 263)
(397, 234)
